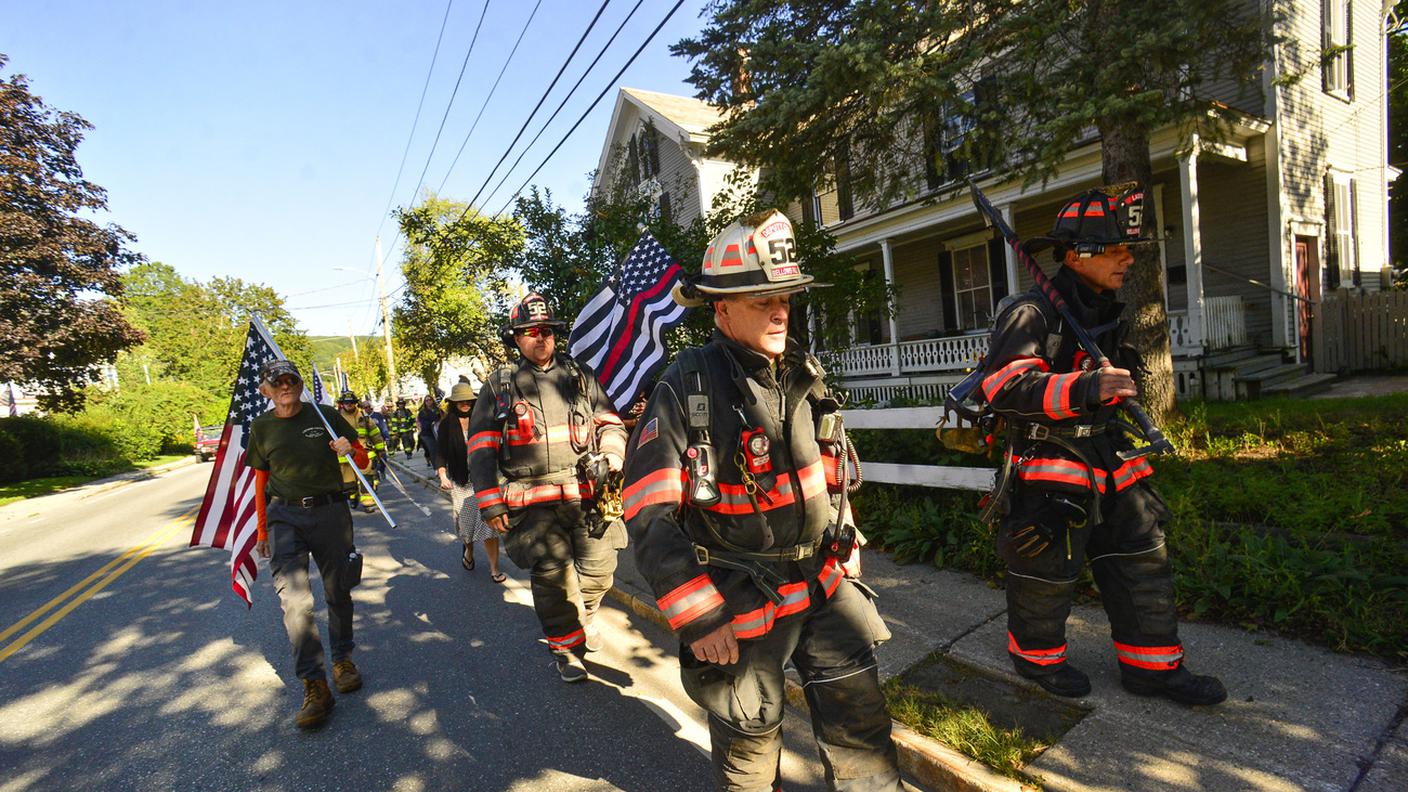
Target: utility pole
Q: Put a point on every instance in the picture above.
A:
(386, 325)
(353, 339)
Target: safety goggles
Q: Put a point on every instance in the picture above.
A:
(534, 332)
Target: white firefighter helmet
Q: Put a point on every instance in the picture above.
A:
(756, 255)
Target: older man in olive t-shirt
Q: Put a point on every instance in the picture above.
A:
(302, 513)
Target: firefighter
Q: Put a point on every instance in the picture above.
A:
(403, 429)
(1072, 496)
(542, 438)
(370, 437)
(735, 499)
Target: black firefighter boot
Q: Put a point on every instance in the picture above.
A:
(1066, 680)
(1178, 685)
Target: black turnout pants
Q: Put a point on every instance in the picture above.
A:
(325, 533)
(1128, 560)
(570, 571)
(832, 647)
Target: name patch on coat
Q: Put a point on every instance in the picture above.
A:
(649, 432)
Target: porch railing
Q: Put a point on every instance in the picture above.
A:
(1224, 319)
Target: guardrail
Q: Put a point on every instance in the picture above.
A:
(939, 476)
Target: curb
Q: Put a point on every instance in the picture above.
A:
(123, 479)
(931, 763)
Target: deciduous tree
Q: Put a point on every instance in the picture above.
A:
(873, 85)
(59, 316)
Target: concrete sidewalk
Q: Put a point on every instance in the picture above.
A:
(1297, 718)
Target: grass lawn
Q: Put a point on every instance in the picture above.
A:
(33, 488)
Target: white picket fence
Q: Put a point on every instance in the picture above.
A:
(938, 476)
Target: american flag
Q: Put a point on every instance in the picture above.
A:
(318, 394)
(227, 519)
(620, 332)
(14, 402)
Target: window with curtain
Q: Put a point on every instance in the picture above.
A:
(1336, 34)
(972, 287)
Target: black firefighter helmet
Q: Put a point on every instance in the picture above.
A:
(1095, 219)
(347, 397)
(531, 311)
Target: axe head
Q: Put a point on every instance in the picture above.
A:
(1158, 446)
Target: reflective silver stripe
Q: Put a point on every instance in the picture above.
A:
(1149, 658)
(671, 485)
(1040, 658)
(691, 600)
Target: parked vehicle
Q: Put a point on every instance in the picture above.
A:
(208, 442)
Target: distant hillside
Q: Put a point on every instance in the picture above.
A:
(325, 348)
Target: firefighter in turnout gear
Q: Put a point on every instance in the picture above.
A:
(735, 498)
(541, 435)
(370, 437)
(1067, 495)
(403, 429)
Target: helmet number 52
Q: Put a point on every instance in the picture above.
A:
(783, 251)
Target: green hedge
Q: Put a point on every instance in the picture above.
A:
(115, 430)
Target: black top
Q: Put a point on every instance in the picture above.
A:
(450, 450)
(295, 452)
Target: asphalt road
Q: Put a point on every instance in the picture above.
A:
(127, 663)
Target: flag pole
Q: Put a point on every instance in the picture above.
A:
(317, 410)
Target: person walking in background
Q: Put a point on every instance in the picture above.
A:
(426, 420)
(452, 458)
(403, 427)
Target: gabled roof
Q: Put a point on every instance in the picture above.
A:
(681, 118)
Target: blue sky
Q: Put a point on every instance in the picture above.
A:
(260, 139)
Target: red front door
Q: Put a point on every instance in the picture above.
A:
(1307, 283)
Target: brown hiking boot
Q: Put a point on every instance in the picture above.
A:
(317, 703)
(346, 676)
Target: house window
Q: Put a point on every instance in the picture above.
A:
(972, 287)
(662, 208)
(1335, 23)
(650, 151)
(1344, 254)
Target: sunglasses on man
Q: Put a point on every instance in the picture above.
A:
(534, 332)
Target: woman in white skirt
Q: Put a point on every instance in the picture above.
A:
(452, 459)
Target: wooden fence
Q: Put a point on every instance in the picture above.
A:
(1360, 332)
(939, 476)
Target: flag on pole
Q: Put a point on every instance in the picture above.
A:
(619, 334)
(317, 394)
(14, 401)
(227, 517)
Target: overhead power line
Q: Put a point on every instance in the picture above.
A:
(421, 179)
(492, 89)
(564, 101)
(561, 69)
(589, 109)
(415, 123)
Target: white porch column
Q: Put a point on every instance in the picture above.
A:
(888, 262)
(1158, 225)
(1008, 254)
(1192, 240)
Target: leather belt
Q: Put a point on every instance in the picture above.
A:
(704, 555)
(1036, 431)
(306, 502)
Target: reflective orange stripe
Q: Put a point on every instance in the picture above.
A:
(755, 623)
(1132, 471)
(1046, 657)
(1057, 398)
(489, 497)
(813, 480)
(663, 486)
(997, 380)
(1153, 658)
(1060, 471)
(545, 493)
(832, 574)
(484, 440)
(559, 643)
(690, 601)
(734, 498)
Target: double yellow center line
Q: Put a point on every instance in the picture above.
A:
(109, 572)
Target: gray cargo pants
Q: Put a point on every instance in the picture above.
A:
(325, 533)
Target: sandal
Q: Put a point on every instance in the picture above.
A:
(467, 559)
(498, 577)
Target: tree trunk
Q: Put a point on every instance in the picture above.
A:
(1125, 157)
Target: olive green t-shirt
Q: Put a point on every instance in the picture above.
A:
(295, 452)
